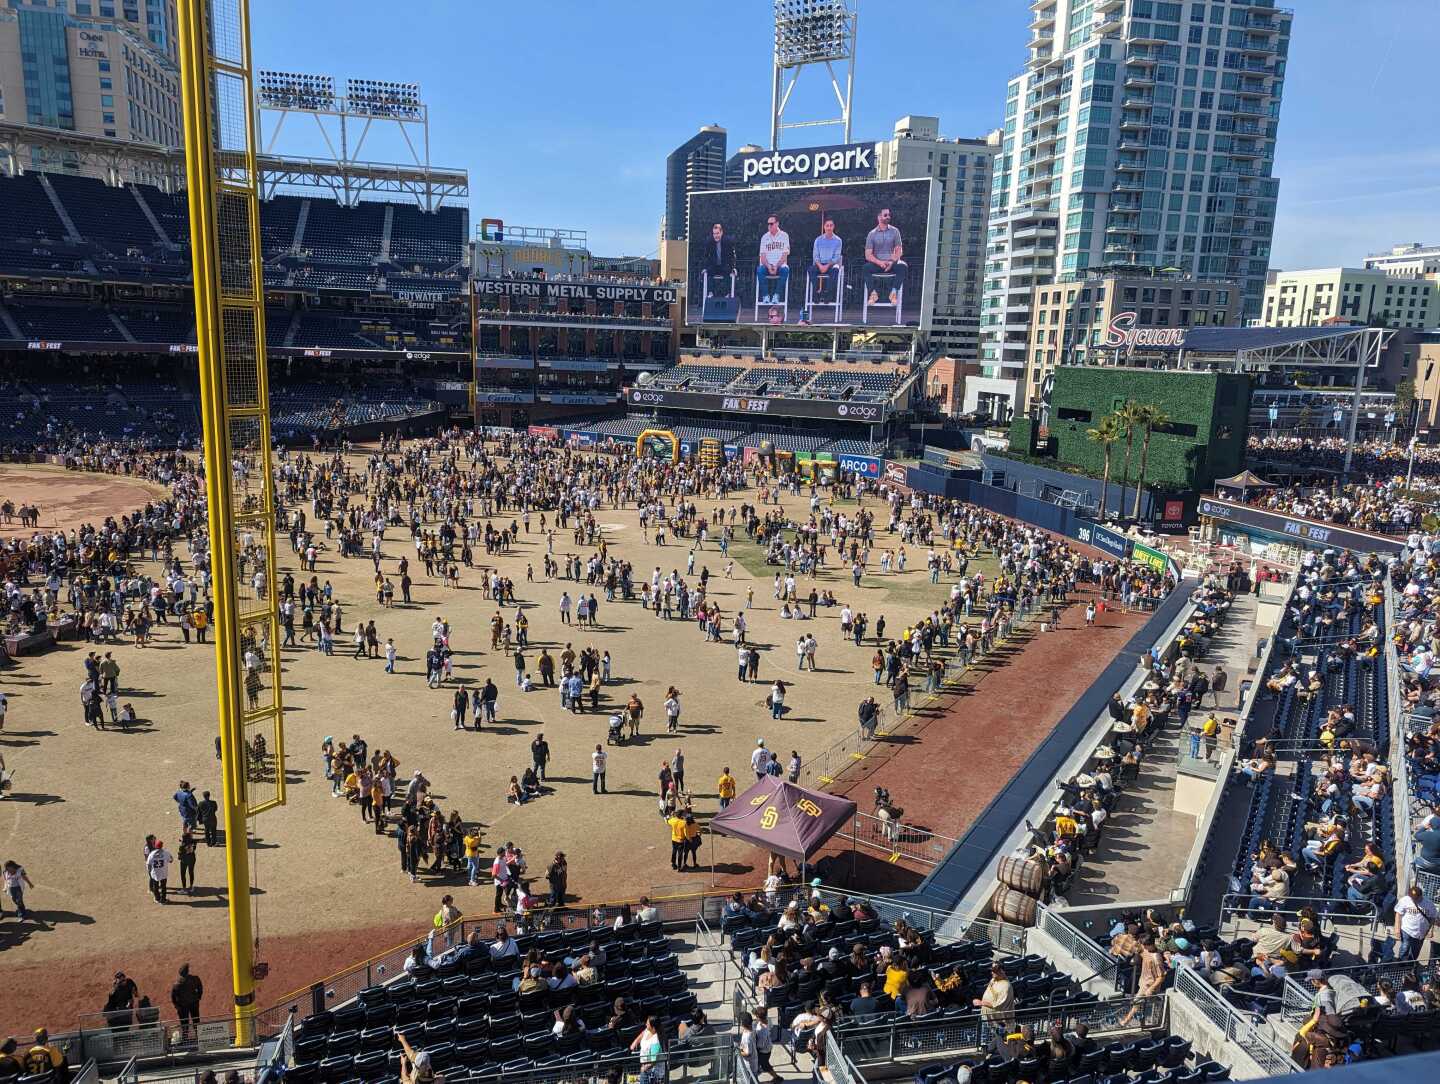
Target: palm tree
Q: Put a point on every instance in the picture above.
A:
(1127, 419)
(1107, 435)
(1151, 419)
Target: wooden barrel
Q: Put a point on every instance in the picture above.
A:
(1012, 906)
(1022, 874)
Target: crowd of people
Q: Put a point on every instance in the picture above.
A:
(1175, 685)
(1381, 507)
(462, 499)
(1376, 458)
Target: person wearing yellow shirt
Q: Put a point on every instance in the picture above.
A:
(201, 622)
(897, 977)
(1140, 716)
(677, 839)
(1208, 731)
(1066, 825)
(726, 788)
(351, 787)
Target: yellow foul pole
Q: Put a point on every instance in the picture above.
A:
(222, 184)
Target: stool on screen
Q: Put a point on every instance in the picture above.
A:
(772, 284)
(722, 307)
(816, 293)
(882, 284)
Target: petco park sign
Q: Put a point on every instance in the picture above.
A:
(1122, 333)
(808, 163)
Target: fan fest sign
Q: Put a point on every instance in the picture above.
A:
(1122, 333)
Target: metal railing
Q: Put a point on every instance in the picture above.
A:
(1298, 1000)
(841, 1070)
(1400, 724)
(1242, 1029)
(713, 1062)
(1234, 906)
(826, 766)
(1079, 945)
(898, 840)
(98, 1037)
(905, 1037)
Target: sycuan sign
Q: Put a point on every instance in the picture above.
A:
(1122, 333)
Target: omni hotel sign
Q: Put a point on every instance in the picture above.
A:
(1122, 334)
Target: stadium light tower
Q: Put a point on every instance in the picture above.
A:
(344, 117)
(809, 33)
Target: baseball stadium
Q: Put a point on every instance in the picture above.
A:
(969, 782)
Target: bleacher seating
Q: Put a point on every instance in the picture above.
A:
(468, 1016)
(105, 216)
(168, 324)
(697, 377)
(340, 249)
(430, 241)
(776, 381)
(854, 447)
(343, 236)
(29, 214)
(172, 211)
(1167, 1060)
(787, 442)
(66, 322)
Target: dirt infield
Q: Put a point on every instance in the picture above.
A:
(67, 498)
(328, 892)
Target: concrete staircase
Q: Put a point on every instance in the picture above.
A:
(300, 220)
(165, 239)
(385, 233)
(8, 323)
(120, 327)
(71, 233)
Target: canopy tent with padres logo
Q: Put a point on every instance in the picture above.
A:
(784, 818)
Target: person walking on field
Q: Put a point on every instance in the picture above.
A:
(15, 881)
(540, 755)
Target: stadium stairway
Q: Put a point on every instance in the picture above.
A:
(145, 209)
(7, 321)
(300, 220)
(71, 233)
(710, 972)
(385, 232)
(120, 326)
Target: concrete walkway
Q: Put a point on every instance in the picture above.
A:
(1146, 843)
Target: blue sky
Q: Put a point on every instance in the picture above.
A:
(563, 110)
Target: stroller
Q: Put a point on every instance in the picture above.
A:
(616, 734)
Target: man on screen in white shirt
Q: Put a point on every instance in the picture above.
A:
(774, 264)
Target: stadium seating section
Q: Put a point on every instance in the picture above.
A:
(865, 381)
(469, 1018)
(138, 232)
